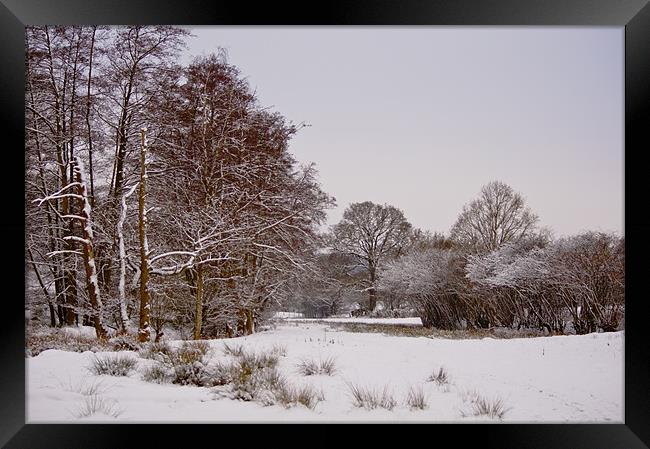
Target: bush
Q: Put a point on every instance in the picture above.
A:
(255, 377)
(252, 361)
(252, 382)
(395, 313)
(113, 366)
(156, 374)
(185, 365)
(235, 351)
(189, 353)
(125, 343)
(64, 341)
(221, 375)
(371, 398)
(200, 346)
(251, 376)
(190, 373)
(251, 372)
(416, 398)
(156, 351)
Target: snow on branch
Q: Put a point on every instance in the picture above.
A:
(77, 239)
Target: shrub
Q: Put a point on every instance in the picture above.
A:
(156, 351)
(200, 346)
(189, 353)
(156, 374)
(187, 363)
(64, 341)
(416, 398)
(235, 351)
(252, 361)
(249, 373)
(255, 377)
(369, 399)
(221, 374)
(249, 382)
(191, 373)
(113, 366)
(124, 343)
(441, 377)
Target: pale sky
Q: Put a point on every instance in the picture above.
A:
(422, 117)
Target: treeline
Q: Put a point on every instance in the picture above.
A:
(497, 268)
(157, 194)
(161, 195)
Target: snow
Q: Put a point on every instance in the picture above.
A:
(576, 379)
(81, 331)
(288, 315)
(411, 321)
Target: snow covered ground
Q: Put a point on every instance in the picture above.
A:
(548, 379)
(412, 321)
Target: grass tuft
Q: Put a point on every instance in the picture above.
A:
(279, 350)
(416, 398)
(441, 377)
(370, 399)
(113, 366)
(94, 404)
(312, 368)
(492, 408)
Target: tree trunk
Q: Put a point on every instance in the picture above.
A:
(372, 293)
(144, 330)
(250, 322)
(198, 310)
(70, 294)
(120, 237)
(122, 139)
(89, 256)
(90, 138)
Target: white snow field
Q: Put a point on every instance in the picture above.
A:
(413, 321)
(577, 379)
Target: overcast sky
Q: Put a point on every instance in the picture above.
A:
(422, 117)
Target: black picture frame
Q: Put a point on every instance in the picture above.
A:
(633, 15)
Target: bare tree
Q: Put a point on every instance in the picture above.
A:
(499, 215)
(144, 330)
(371, 233)
(86, 240)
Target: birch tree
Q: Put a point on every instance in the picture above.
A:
(86, 240)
